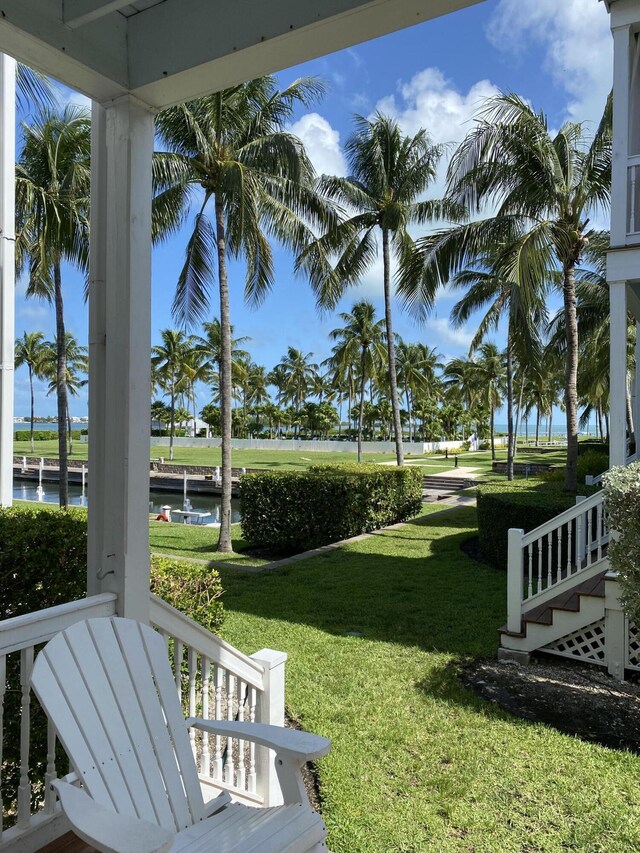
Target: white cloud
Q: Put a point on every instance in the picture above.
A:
(76, 99)
(443, 333)
(576, 40)
(322, 143)
(430, 101)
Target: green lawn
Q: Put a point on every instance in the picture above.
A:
(293, 459)
(418, 762)
(192, 540)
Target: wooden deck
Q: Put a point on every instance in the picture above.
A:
(68, 843)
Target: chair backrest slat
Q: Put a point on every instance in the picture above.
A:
(105, 685)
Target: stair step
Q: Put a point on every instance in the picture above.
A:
(568, 601)
(446, 483)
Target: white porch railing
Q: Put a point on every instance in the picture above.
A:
(543, 561)
(213, 679)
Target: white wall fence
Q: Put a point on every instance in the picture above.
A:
(415, 448)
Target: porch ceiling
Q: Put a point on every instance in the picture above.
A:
(167, 51)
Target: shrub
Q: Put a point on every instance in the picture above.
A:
(43, 562)
(292, 511)
(622, 505)
(43, 434)
(193, 588)
(523, 504)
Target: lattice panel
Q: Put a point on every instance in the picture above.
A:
(585, 644)
(633, 646)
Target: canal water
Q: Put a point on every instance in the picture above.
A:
(28, 491)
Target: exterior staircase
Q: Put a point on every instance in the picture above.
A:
(562, 597)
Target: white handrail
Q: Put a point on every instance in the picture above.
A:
(174, 623)
(31, 629)
(562, 518)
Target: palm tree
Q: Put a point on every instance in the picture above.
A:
(229, 151)
(492, 375)
(52, 222)
(299, 372)
(416, 373)
(361, 341)
(168, 364)
(76, 362)
(500, 287)
(389, 173)
(545, 188)
(30, 351)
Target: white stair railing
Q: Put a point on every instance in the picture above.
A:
(563, 548)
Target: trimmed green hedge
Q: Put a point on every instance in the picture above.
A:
(43, 434)
(287, 512)
(43, 562)
(523, 504)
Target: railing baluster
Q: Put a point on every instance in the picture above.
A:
(228, 767)
(193, 668)
(559, 551)
(205, 757)
(240, 773)
(600, 525)
(24, 788)
(549, 557)
(3, 687)
(530, 569)
(251, 781)
(539, 546)
(217, 764)
(589, 539)
(178, 654)
(579, 543)
(50, 773)
(569, 527)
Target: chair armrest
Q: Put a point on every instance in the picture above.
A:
(104, 829)
(303, 746)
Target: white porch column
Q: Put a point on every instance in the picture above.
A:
(7, 270)
(120, 352)
(618, 368)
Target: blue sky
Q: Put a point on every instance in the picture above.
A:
(558, 55)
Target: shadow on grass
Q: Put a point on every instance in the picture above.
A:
(412, 586)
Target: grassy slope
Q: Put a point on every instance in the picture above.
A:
(418, 763)
(191, 540)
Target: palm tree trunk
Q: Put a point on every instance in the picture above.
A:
(172, 423)
(391, 349)
(224, 540)
(630, 430)
(33, 408)
(600, 424)
(550, 424)
(61, 388)
(492, 428)
(571, 377)
(518, 419)
(69, 430)
(363, 382)
(538, 416)
(511, 439)
(606, 424)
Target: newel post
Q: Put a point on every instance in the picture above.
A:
(515, 580)
(615, 627)
(270, 710)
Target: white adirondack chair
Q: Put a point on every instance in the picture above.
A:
(108, 688)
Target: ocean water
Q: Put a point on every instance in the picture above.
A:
(53, 427)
